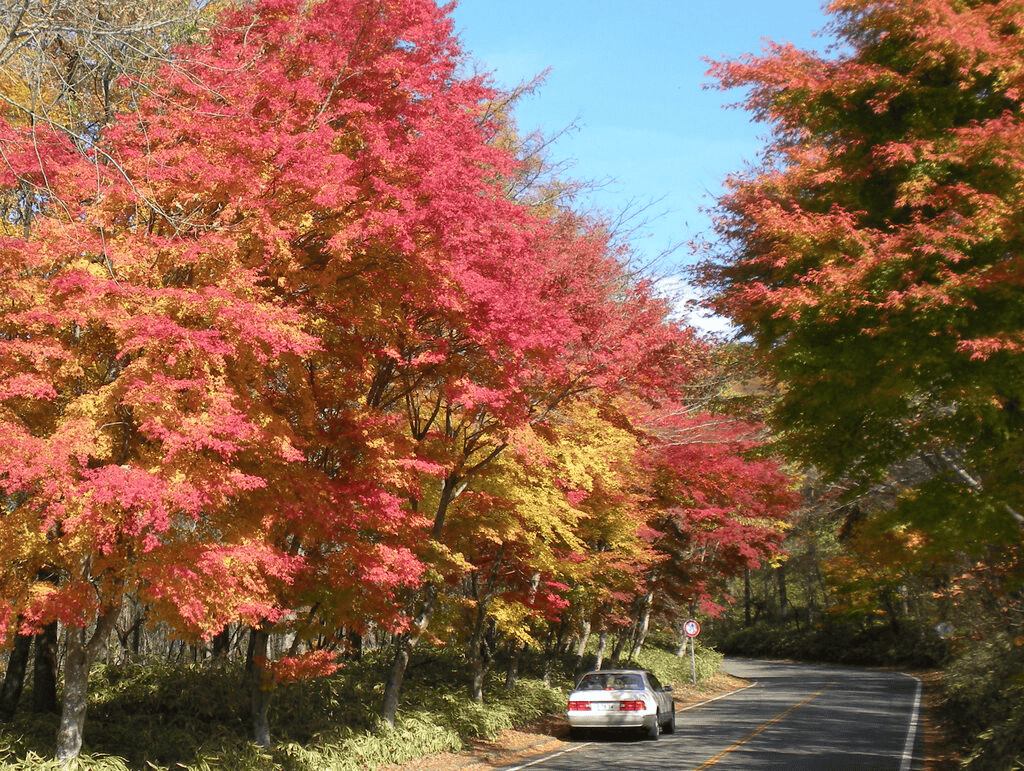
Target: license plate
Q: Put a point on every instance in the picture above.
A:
(603, 706)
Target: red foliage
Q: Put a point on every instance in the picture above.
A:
(719, 509)
(292, 669)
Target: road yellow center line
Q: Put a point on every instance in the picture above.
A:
(759, 729)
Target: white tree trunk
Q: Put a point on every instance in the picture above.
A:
(602, 645)
(581, 647)
(643, 625)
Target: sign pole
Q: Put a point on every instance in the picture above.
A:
(691, 629)
(693, 660)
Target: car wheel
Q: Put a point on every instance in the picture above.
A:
(654, 728)
(670, 725)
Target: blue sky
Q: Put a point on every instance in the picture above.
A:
(630, 75)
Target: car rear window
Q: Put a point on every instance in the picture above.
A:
(602, 682)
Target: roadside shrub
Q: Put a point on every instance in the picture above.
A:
(915, 646)
(415, 734)
(85, 762)
(28, 734)
(194, 716)
(166, 713)
(985, 703)
(673, 669)
(531, 700)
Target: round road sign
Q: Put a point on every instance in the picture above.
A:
(691, 628)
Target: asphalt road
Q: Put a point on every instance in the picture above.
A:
(795, 717)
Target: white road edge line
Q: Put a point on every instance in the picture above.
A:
(546, 758)
(908, 745)
(553, 755)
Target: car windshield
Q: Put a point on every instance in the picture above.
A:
(610, 682)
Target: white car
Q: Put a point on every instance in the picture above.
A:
(621, 698)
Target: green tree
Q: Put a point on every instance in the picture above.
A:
(876, 251)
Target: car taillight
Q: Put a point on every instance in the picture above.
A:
(579, 706)
(631, 706)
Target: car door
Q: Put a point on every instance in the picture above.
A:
(663, 697)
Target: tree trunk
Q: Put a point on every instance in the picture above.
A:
(403, 652)
(480, 667)
(222, 643)
(78, 659)
(602, 645)
(44, 671)
(747, 620)
(512, 673)
(14, 679)
(136, 644)
(620, 644)
(780, 574)
(581, 647)
(355, 646)
(76, 691)
(550, 649)
(260, 685)
(478, 652)
(643, 624)
(407, 642)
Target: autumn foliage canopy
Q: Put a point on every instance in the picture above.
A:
(290, 326)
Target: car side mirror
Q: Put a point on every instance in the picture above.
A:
(667, 688)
